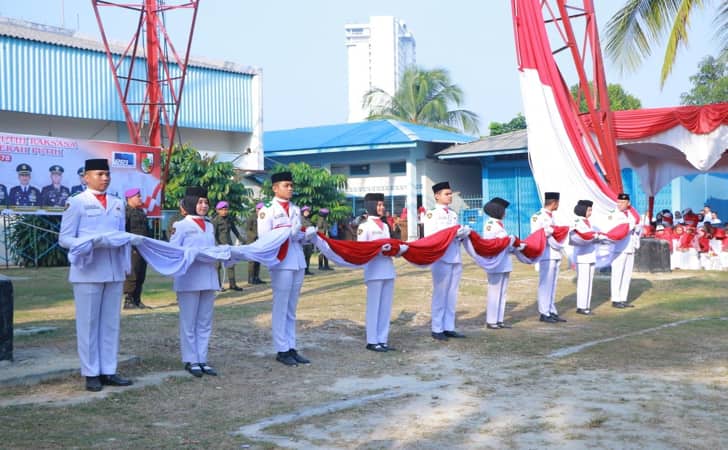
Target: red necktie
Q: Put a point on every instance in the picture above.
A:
(548, 213)
(586, 221)
(379, 223)
(446, 210)
(200, 222)
(500, 223)
(101, 198)
(285, 207)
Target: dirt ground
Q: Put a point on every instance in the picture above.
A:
(653, 376)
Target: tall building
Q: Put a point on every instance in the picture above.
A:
(378, 52)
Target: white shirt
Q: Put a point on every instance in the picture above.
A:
(584, 251)
(542, 219)
(86, 217)
(272, 216)
(437, 219)
(493, 228)
(380, 267)
(200, 276)
(631, 242)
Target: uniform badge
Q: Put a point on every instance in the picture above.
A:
(487, 228)
(359, 231)
(429, 215)
(609, 217)
(534, 219)
(261, 215)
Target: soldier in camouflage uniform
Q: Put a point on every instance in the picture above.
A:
(251, 234)
(136, 223)
(323, 228)
(224, 224)
(307, 247)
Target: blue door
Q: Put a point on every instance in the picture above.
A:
(516, 185)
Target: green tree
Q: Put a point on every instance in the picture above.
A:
(639, 25)
(316, 188)
(710, 84)
(424, 97)
(517, 123)
(619, 99)
(189, 168)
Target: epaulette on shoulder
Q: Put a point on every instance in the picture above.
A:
(76, 193)
(268, 204)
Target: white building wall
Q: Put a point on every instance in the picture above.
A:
(465, 180)
(378, 53)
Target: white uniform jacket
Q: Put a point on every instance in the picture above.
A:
(437, 219)
(201, 276)
(584, 250)
(85, 217)
(272, 216)
(493, 228)
(543, 219)
(380, 267)
(631, 242)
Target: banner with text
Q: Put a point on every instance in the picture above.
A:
(39, 173)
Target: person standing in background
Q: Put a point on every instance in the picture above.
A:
(225, 224)
(251, 235)
(307, 247)
(136, 223)
(323, 228)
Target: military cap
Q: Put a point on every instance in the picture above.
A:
(622, 196)
(551, 196)
(24, 169)
(80, 171)
(55, 168)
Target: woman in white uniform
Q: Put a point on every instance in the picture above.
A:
(582, 237)
(500, 273)
(196, 288)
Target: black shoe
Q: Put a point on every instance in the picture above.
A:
(129, 305)
(548, 319)
(207, 370)
(236, 288)
(438, 336)
(298, 357)
(586, 312)
(115, 380)
(376, 348)
(93, 384)
(222, 289)
(557, 318)
(628, 305)
(194, 369)
(503, 325)
(453, 334)
(286, 358)
(492, 326)
(328, 268)
(141, 305)
(258, 281)
(618, 305)
(308, 272)
(387, 347)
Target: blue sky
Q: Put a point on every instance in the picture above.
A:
(299, 45)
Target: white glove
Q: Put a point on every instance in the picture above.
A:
(98, 241)
(463, 232)
(310, 233)
(136, 240)
(521, 246)
(297, 235)
(386, 247)
(402, 249)
(549, 230)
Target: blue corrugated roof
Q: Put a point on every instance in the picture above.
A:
(369, 133)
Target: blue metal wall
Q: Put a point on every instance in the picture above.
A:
(41, 78)
(513, 181)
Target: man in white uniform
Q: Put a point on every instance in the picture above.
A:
(97, 287)
(548, 265)
(624, 261)
(286, 277)
(447, 270)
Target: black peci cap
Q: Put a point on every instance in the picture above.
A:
(281, 176)
(440, 186)
(96, 164)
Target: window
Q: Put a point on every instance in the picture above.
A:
(398, 167)
(359, 169)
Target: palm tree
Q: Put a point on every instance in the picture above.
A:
(424, 97)
(640, 24)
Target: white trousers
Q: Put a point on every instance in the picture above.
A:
(445, 283)
(548, 273)
(497, 285)
(196, 310)
(98, 309)
(584, 281)
(621, 276)
(286, 285)
(379, 310)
